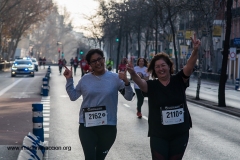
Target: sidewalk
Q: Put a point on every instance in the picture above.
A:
(228, 109)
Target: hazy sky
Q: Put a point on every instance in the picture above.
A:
(78, 8)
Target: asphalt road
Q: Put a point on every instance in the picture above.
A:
(215, 135)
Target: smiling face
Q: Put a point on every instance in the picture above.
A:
(97, 63)
(162, 69)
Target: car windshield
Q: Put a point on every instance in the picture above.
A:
(33, 60)
(23, 62)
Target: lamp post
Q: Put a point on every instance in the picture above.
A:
(60, 43)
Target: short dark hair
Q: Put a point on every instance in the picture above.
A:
(145, 62)
(163, 56)
(93, 51)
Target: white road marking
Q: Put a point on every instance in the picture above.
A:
(46, 115)
(144, 117)
(46, 129)
(126, 105)
(44, 102)
(45, 124)
(46, 119)
(46, 111)
(47, 108)
(9, 87)
(46, 135)
(48, 97)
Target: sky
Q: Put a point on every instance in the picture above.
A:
(77, 9)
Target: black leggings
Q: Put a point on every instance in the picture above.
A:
(140, 99)
(169, 148)
(97, 141)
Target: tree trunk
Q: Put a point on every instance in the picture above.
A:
(223, 77)
(174, 45)
(126, 45)
(199, 74)
(119, 45)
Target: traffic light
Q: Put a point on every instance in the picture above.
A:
(81, 52)
(117, 39)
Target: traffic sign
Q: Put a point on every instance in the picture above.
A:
(232, 54)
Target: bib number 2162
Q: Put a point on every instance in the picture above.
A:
(95, 116)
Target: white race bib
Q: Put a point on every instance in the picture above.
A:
(95, 116)
(172, 115)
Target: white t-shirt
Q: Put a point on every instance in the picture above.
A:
(142, 71)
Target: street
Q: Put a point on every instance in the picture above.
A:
(215, 135)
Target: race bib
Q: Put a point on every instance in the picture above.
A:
(172, 114)
(95, 116)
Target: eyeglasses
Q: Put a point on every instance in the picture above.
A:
(97, 60)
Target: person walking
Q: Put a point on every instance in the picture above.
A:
(83, 63)
(98, 111)
(123, 65)
(141, 70)
(71, 61)
(75, 65)
(110, 64)
(60, 65)
(169, 118)
(44, 62)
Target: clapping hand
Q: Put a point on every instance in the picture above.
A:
(67, 73)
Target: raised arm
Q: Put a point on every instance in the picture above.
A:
(188, 68)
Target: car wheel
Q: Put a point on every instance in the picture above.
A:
(32, 75)
(13, 75)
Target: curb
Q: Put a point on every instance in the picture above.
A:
(228, 109)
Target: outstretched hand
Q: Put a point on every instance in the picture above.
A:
(67, 73)
(196, 42)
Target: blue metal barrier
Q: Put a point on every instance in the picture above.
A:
(37, 120)
(45, 86)
(237, 84)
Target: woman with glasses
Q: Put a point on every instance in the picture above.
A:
(98, 111)
(169, 118)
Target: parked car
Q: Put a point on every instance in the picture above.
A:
(35, 62)
(22, 67)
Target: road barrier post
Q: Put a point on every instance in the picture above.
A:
(45, 86)
(237, 84)
(37, 120)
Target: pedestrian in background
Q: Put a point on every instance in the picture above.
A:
(123, 65)
(100, 98)
(71, 61)
(83, 64)
(75, 65)
(44, 62)
(141, 70)
(169, 118)
(60, 65)
(110, 64)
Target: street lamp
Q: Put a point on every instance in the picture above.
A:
(60, 43)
